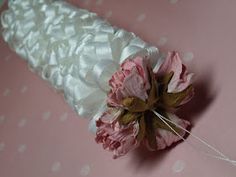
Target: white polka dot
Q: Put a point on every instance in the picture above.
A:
(162, 41)
(56, 166)
(2, 119)
(108, 14)
(178, 166)
(85, 170)
(188, 56)
(173, 1)
(7, 58)
(141, 17)
(46, 115)
(24, 89)
(63, 117)
(2, 146)
(22, 123)
(99, 2)
(21, 148)
(6, 92)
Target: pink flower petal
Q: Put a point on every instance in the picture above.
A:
(181, 79)
(115, 137)
(131, 80)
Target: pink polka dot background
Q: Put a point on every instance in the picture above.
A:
(41, 136)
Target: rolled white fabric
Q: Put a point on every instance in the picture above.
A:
(73, 49)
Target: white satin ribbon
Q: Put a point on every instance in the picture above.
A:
(73, 49)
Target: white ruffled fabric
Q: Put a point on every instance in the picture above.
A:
(73, 49)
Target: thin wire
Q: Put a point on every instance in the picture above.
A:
(220, 155)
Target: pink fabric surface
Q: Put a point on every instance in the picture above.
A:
(41, 136)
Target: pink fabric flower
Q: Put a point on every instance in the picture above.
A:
(131, 80)
(165, 138)
(115, 137)
(181, 78)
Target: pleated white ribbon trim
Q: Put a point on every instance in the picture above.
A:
(73, 49)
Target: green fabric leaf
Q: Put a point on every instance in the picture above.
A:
(165, 80)
(150, 131)
(135, 104)
(142, 128)
(127, 118)
(175, 99)
(153, 94)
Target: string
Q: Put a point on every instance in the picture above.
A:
(220, 155)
